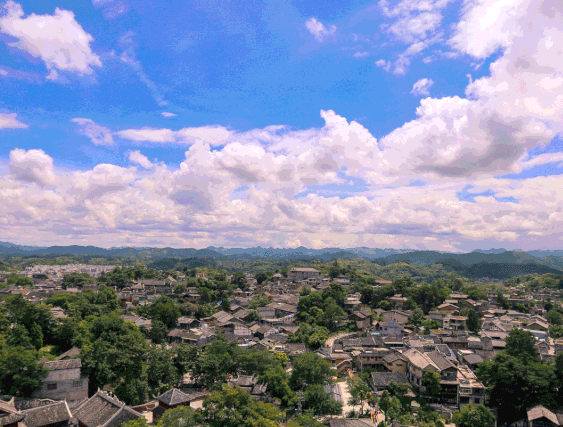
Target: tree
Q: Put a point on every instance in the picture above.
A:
(515, 385)
(431, 381)
(117, 352)
(261, 277)
(239, 280)
(157, 332)
(502, 301)
(556, 331)
(219, 359)
(554, 317)
(234, 407)
(24, 282)
(76, 280)
(309, 369)
(359, 392)
(252, 316)
(521, 344)
(398, 389)
(186, 358)
(166, 311)
(163, 374)
(20, 374)
(139, 422)
(474, 416)
(181, 416)
(319, 402)
(385, 402)
(278, 384)
(473, 321)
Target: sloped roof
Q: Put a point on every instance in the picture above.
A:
(351, 422)
(382, 379)
(49, 414)
(74, 351)
(58, 365)
(124, 415)
(174, 397)
(540, 412)
(98, 410)
(11, 419)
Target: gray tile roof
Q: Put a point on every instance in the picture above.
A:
(49, 414)
(382, 379)
(174, 397)
(11, 419)
(58, 365)
(98, 410)
(351, 422)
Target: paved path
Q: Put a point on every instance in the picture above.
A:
(333, 338)
(348, 408)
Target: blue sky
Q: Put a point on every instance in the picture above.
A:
(414, 124)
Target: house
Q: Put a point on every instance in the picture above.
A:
(395, 362)
(250, 383)
(369, 358)
(64, 381)
(73, 353)
(56, 414)
(103, 409)
(137, 320)
(362, 320)
(380, 380)
(351, 422)
(456, 323)
(399, 317)
(188, 323)
(390, 328)
(298, 274)
(540, 416)
(172, 399)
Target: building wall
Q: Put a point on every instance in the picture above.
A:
(69, 389)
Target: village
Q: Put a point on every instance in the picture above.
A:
(395, 352)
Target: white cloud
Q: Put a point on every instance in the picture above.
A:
(111, 9)
(382, 63)
(318, 29)
(361, 54)
(8, 120)
(422, 87)
(32, 166)
(138, 158)
(148, 135)
(129, 56)
(3, 72)
(98, 134)
(167, 114)
(414, 22)
(214, 135)
(57, 39)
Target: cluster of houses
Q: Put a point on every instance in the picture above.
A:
(385, 342)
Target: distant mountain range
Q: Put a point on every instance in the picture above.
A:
(492, 263)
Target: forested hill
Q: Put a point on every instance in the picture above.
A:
(494, 263)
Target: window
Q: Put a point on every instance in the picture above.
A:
(52, 386)
(77, 383)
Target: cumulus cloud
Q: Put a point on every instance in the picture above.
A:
(9, 121)
(98, 134)
(32, 166)
(138, 158)
(167, 114)
(319, 30)
(271, 186)
(57, 39)
(422, 87)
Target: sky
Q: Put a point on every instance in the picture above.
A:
(419, 124)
